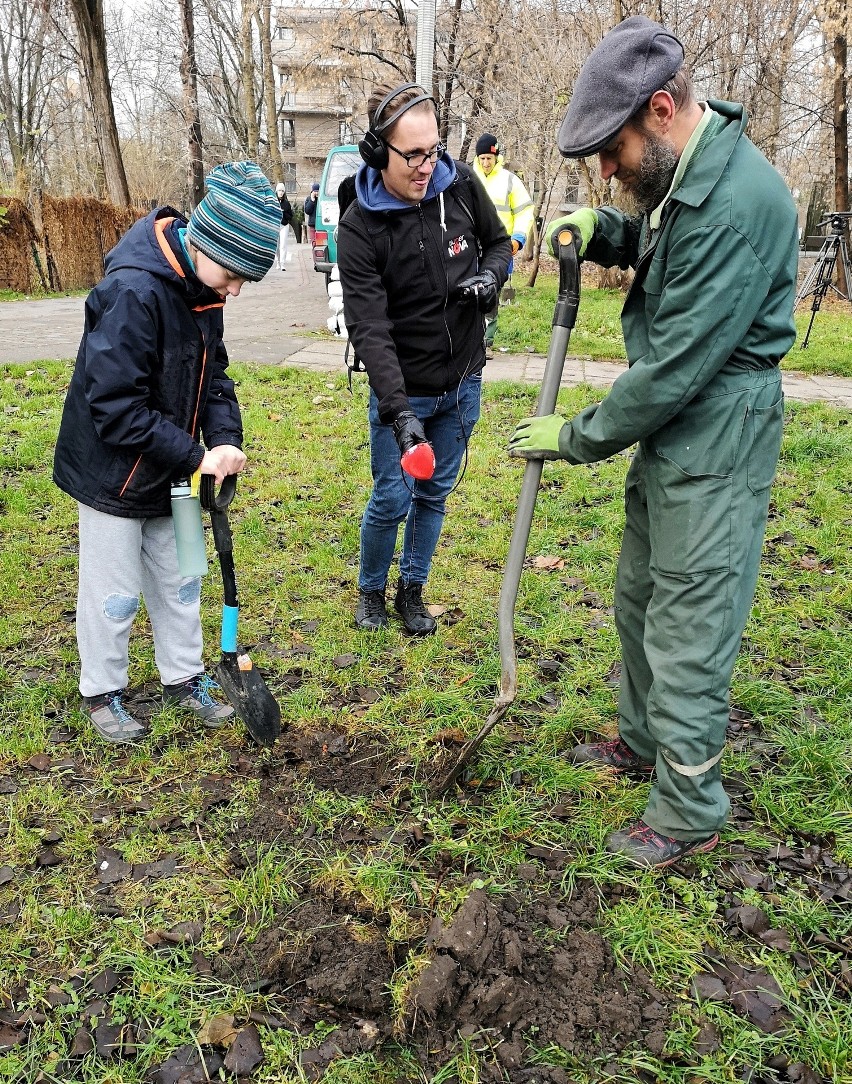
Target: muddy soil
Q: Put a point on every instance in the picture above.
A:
(501, 968)
(526, 966)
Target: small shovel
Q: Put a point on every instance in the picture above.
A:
(564, 315)
(243, 685)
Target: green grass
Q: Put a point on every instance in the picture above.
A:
(525, 325)
(39, 295)
(295, 523)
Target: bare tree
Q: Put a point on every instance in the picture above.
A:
(224, 64)
(29, 62)
(192, 116)
(841, 120)
(92, 44)
(263, 17)
(247, 72)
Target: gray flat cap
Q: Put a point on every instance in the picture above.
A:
(632, 61)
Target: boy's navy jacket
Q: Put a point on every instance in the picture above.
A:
(150, 378)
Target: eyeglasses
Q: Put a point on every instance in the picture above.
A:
(418, 158)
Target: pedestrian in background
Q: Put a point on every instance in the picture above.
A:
(712, 235)
(514, 209)
(311, 212)
(284, 231)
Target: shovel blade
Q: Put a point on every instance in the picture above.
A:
(470, 749)
(249, 697)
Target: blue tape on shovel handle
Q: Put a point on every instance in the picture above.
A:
(229, 628)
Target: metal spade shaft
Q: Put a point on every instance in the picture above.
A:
(240, 679)
(564, 315)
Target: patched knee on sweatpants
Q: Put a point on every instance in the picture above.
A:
(120, 607)
(190, 592)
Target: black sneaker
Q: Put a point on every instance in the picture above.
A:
(111, 718)
(615, 754)
(640, 845)
(371, 612)
(410, 607)
(196, 694)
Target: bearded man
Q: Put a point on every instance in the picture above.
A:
(711, 231)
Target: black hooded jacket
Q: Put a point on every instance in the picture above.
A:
(149, 380)
(400, 269)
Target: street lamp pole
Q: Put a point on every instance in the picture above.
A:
(425, 44)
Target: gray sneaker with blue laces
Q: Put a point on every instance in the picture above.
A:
(111, 718)
(198, 695)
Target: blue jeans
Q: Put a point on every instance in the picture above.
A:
(448, 421)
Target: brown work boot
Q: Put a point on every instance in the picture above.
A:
(615, 754)
(641, 845)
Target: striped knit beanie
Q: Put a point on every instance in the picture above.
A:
(236, 224)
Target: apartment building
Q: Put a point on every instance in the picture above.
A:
(315, 96)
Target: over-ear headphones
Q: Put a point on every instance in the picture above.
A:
(372, 147)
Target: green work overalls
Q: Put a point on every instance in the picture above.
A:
(706, 322)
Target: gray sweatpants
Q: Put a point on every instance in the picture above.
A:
(121, 560)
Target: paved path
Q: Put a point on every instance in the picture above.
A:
(272, 320)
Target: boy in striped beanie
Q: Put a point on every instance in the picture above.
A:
(236, 224)
(151, 402)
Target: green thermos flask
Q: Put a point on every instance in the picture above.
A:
(189, 534)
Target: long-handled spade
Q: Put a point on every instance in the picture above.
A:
(564, 315)
(242, 682)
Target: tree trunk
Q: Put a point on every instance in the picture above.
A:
(247, 76)
(192, 117)
(445, 100)
(264, 26)
(841, 143)
(89, 21)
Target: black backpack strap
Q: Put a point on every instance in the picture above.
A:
(377, 228)
(352, 362)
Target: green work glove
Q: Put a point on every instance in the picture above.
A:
(582, 222)
(537, 438)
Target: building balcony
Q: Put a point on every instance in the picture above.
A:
(304, 106)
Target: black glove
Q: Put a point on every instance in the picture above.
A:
(482, 289)
(408, 431)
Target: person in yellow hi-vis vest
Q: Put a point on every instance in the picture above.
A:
(512, 201)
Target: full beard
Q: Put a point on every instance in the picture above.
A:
(653, 178)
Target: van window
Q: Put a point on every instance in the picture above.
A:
(340, 164)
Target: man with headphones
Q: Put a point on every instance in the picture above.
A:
(422, 257)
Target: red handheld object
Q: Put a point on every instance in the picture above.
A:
(419, 461)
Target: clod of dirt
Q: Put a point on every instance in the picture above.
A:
(753, 992)
(10, 1037)
(115, 1040)
(188, 1065)
(493, 971)
(322, 954)
(245, 1053)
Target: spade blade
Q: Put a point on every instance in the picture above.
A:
(249, 696)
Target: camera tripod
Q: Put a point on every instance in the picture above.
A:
(818, 280)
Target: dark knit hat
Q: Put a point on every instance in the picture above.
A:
(631, 63)
(315, 186)
(236, 224)
(487, 144)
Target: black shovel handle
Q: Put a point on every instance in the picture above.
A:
(217, 505)
(213, 501)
